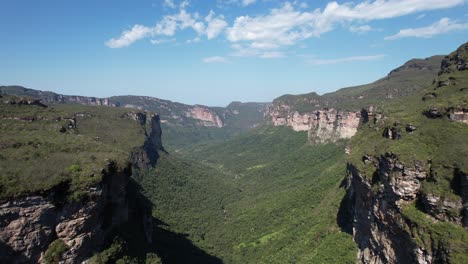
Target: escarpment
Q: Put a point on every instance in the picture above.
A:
(336, 115)
(380, 213)
(326, 125)
(70, 222)
(148, 155)
(30, 224)
(406, 184)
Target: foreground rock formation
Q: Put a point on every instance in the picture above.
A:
(31, 225)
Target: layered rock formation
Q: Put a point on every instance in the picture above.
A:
(175, 114)
(372, 211)
(326, 125)
(412, 209)
(206, 116)
(30, 224)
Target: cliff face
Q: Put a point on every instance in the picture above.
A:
(374, 211)
(236, 115)
(30, 224)
(407, 184)
(375, 216)
(326, 125)
(205, 116)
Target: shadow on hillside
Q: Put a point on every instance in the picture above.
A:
(169, 246)
(344, 217)
(177, 248)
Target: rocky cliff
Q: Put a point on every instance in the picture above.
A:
(174, 114)
(47, 225)
(336, 115)
(326, 125)
(30, 224)
(406, 184)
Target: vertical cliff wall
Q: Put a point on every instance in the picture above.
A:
(407, 183)
(36, 227)
(326, 125)
(30, 224)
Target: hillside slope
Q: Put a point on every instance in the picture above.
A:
(408, 172)
(184, 124)
(262, 197)
(336, 115)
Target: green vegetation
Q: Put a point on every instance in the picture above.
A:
(406, 80)
(54, 252)
(41, 148)
(437, 235)
(262, 197)
(438, 142)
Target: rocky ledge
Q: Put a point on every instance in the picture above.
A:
(30, 224)
(326, 125)
(372, 211)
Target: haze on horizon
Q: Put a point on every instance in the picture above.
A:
(215, 52)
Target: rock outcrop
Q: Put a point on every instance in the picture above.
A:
(372, 211)
(205, 116)
(374, 215)
(326, 125)
(148, 155)
(30, 224)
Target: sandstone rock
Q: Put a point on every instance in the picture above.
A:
(442, 209)
(205, 115)
(327, 125)
(28, 225)
(378, 226)
(429, 96)
(459, 115)
(433, 113)
(410, 128)
(443, 83)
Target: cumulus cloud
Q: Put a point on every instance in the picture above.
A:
(444, 25)
(169, 25)
(129, 36)
(215, 59)
(215, 25)
(286, 26)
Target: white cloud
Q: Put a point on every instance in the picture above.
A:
(129, 36)
(445, 25)
(360, 29)
(162, 41)
(169, 25)
(248, 2)
(215, 25)
(184, 4)
(169, 3)
(287, 26)
(215, 59)
(283, 26)
(421, 16)
(346, 59)
(195, 40)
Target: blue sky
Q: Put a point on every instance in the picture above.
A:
(213, 52)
